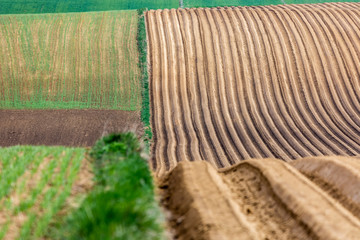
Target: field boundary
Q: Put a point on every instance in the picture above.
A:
(143, 65)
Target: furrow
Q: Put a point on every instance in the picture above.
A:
(172, 89)
(170, 149)
(160, 135)
(338, 176)
(330, 133)
(327, 97)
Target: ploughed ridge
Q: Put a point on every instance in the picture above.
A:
(229, 84)
(265, 199)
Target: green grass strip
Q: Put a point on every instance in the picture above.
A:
(58, 6)
(122, 205)
(142, 47)
(223, 3)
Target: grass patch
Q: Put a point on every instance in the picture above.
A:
(70, 61)
(122, 205)
(142, 48)
(222, 3)
(61, 6)
(35, 183)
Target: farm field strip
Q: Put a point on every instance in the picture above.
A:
(229, 3)
(66, 127)
(44, 180)
(67, 61)
(261, 199)
(61, 6)
(229, 84)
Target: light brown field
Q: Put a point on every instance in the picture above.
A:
(229, 84)
(247, 90)
(265, 199)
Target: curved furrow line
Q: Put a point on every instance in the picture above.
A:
(308, 94)
(338, 176)
(159, 133)
(246, 102)
(171, 91)
(205, 145)
(242, 72)
(334, 110)
(349, 43)
(346, 57)
(226, 85)
(251, 92)
(294, 94)
(231, 58)
(163, 91)
(216, 81)
(203, 87)
(351, 26)
(310, 60)
(184, 93)
(229, 84)
(275, 104)
(210, 66)
(263, 48)
(285, 96)
(341, 73)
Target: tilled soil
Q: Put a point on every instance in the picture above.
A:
(64, 127)
(229, 84)
(264, 199)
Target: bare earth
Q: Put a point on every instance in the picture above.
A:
(229, 84)
(248, 90)
(64, 127)
(265, 199)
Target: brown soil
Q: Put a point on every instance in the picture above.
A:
(229, 84)
(257, 199)
(64, 127)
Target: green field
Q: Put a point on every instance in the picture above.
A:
(60, 6)
(122, 203)
(35, 183)
(215, 3)
(73, 60)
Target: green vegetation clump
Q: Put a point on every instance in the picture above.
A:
(60, 6)
(122, 205)
(34, 184)
(142, 48)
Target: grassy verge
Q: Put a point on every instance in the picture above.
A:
(35, 183)
(60, 6)
(222, 3)
(142, 48)
(122, 204)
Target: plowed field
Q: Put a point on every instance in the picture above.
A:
(265, 199)
(229, 84)
(80, 128)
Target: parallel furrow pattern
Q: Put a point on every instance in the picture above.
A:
(229, 84)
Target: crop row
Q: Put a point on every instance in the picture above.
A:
(35, 183)
(76, 60)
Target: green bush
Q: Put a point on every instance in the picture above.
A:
(122, 205)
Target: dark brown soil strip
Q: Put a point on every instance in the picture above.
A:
(64, 127)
